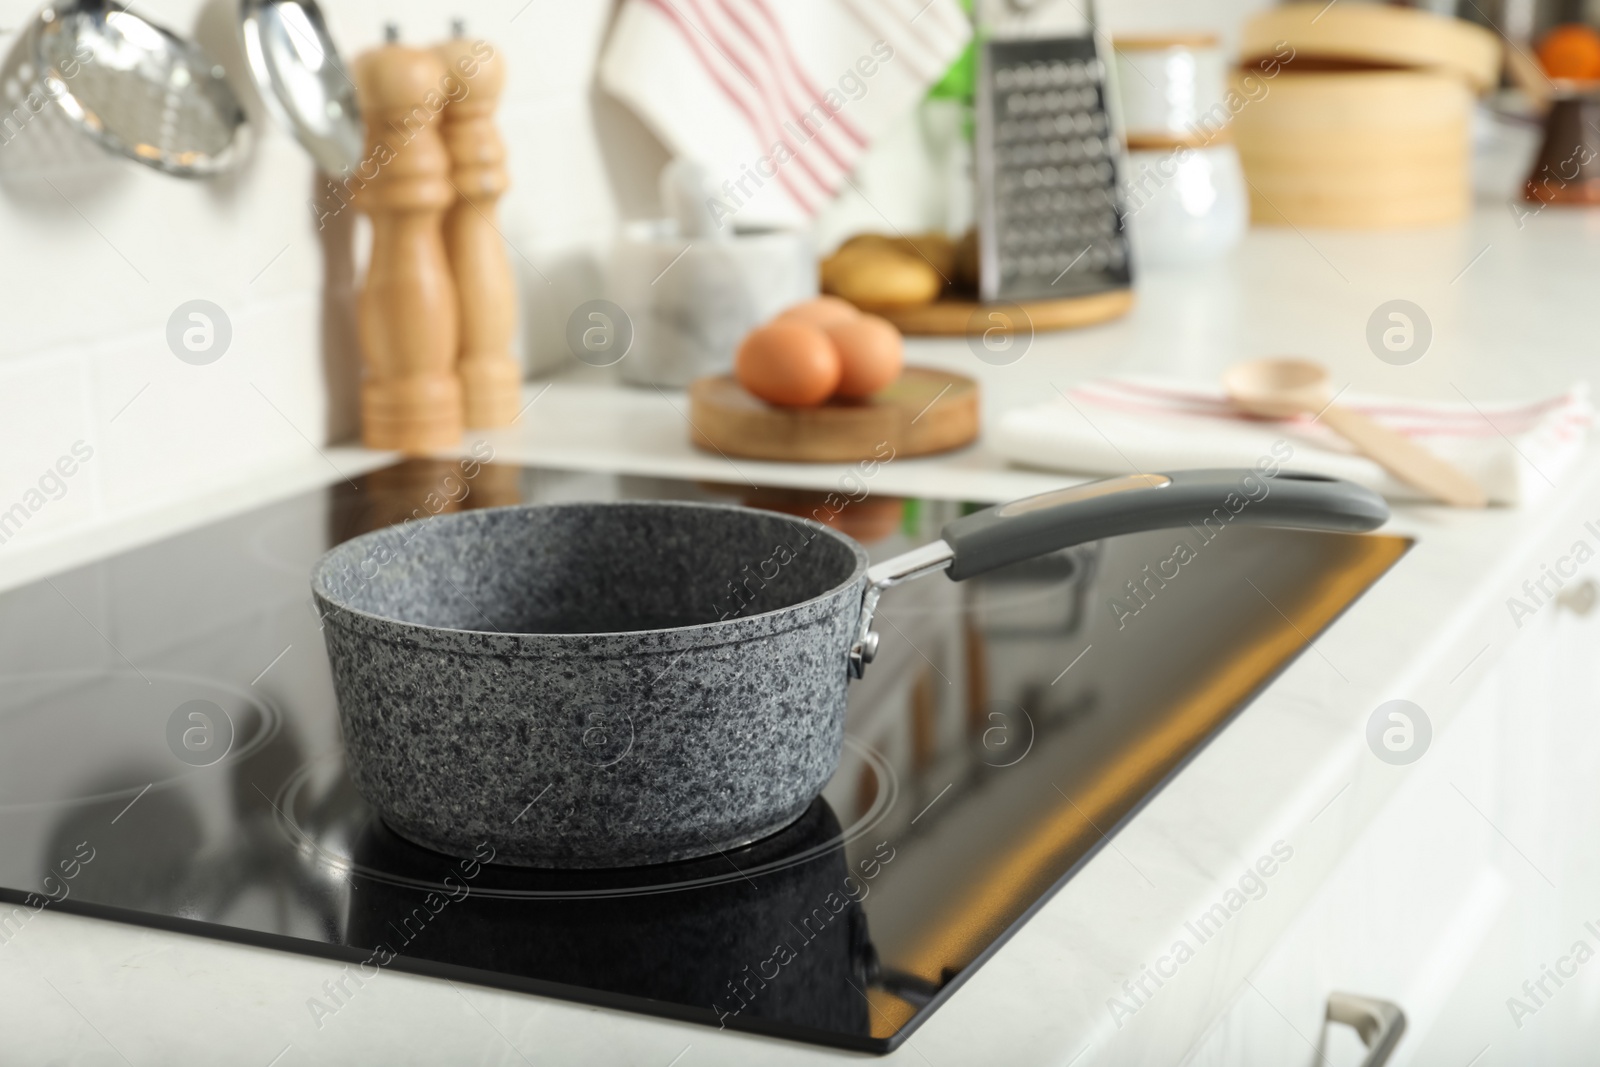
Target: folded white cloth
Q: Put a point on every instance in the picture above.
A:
(1516, 452)
(778, 99)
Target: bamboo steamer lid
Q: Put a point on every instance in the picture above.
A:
(1379, 35)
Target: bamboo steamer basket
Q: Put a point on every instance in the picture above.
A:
(1368, 149)
(1369, 124)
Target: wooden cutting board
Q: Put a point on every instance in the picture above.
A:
(925, 411)
(955, 317)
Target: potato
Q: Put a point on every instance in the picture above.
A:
(872, 276)
(934, 247)
(867, 240)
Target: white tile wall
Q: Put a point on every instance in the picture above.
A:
(97, 252)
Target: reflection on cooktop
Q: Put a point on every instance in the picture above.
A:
(170, 755)
(784, 940)
(322, 816)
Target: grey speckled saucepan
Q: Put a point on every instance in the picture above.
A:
(617, 684)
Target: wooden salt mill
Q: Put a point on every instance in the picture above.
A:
(406, 313)
(491, 380)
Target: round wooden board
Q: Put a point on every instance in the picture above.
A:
(925, 411)
(954, 318)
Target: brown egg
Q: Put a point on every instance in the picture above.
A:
(822, 311)
(871, 353)
(792, 364)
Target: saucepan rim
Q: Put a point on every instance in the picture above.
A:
(664, 639)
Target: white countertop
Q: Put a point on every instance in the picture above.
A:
(1513, 312)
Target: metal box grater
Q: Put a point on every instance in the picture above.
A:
(1050, 213)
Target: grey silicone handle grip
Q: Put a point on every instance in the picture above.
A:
(1209, 499)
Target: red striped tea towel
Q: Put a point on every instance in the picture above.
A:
(1516, 452)
(778, 99)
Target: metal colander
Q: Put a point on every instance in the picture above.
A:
(138, 89)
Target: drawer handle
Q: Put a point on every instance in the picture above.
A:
(1581, 598)
(1379, 1022)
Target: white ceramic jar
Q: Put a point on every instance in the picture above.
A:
(1185, 198)
(1184, 206)
(1167, 84)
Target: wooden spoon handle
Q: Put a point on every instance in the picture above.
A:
(1405, 459)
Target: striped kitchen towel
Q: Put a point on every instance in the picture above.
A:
(778, 99)
(1515, 451)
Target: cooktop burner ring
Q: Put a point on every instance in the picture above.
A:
(287, 803)
(189, 687)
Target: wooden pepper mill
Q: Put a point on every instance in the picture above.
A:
(406, 313)
(491, 380)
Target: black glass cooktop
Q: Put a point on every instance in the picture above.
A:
(170, 755)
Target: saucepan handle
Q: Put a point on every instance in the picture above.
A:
(1209, 499)
(1036, 525)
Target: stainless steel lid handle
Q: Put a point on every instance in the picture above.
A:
(1213, 499)
(1380, 1023)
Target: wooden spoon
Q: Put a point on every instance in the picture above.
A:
(1282, 388)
